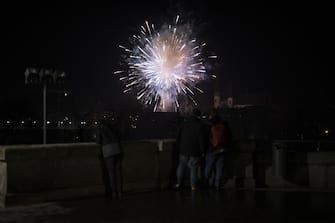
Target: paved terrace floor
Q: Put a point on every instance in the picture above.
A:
(228, 206)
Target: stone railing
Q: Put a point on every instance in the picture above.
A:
(302, 163)
(37, 173)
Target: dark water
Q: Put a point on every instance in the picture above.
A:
(34, 136)
(148, 125)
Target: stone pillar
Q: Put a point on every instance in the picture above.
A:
(249, 181)
(279, 160)
(3, 183)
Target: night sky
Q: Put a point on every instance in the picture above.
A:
(279, 50)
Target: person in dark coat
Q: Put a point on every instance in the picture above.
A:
(108, 137)
(190, 142)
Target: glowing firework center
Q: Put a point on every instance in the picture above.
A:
(164, 66)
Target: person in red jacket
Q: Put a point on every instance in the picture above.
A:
(219, 143)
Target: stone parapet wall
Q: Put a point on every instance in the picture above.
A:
(76, 169)
(321, 169)
(36, 173)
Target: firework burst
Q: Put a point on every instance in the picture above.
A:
(164, 65)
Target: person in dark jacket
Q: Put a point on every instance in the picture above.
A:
(108, 138)
(191, 146)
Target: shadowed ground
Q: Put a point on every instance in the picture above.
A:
(185, 206)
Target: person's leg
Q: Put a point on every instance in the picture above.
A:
(118, 174)
(210, 158)
(219, 170)
(194, 165)
(105, 176)
(110, 165)
(180, 170)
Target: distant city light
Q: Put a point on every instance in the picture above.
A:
(34, 122)
(61, 123)
(8, 122)
(48, 122)
(22, 122)
(95, 123)
(65, 94)
(70, 123)
(326, 131)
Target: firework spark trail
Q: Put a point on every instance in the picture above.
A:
(161, 65)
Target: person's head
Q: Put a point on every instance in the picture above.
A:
(216, 119)
(104, 122)
(214, 112)
(196, 112)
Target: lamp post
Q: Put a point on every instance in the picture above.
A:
(44, 113)
(44, 77)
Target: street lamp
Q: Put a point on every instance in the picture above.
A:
(44, 77)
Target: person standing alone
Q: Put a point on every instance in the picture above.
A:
(108, 138)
